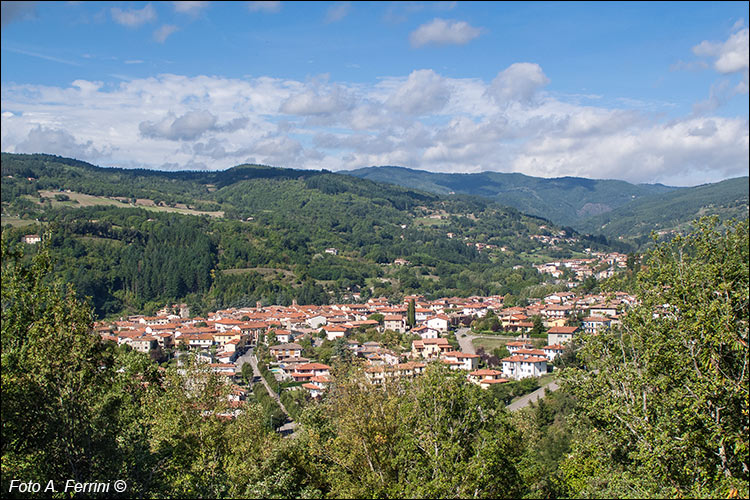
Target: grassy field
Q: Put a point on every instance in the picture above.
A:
(87, 200)
(16, 222)
(488, 344)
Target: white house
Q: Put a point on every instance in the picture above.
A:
(479, 310)
(439, 322)
(421, 314)
(430, 348)
(553, 351)
(593, 324)
(603, 310)
(462, 361)
(518, 366)
(283, 336)
(334, 332)
(425, 332)
(395, 322)
(317, 385)
(31, 239)
(317, 321)
(307, 371)
(485, 378)
(561, 334)
(519, 344)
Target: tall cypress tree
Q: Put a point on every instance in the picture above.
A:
(411, 314)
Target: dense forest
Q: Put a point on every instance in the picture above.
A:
(655, 408)
(674, 210)
(616, 209)
(132, 240)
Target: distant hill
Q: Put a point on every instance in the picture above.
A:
(672, 211)
(612, 208)
(564, 200)
(132, 239)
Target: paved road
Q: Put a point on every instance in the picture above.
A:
(249, 357)
(533, 397)
(468, 347)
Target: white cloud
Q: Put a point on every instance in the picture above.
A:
(519, 82)
(190, 126)
(444, 32)
(133, 18)
(730, 56)
(721, 92)
(161, 34)
(264, 6)
(57, 141)
(187, 127)
(669, 153)
(423, 92)
(190, 7)
(423, 120)
(338, 12)
(312, 102)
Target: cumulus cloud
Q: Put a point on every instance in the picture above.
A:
(190, 126)
(423, 92)
(671, 153)
(264, 6)
(161, 34)
(190, 7)
(57, 141)
(721, 92)
(704, 129)
(444, 32)
(519, 82)
(730, 56)
(219, 149)
(338, 12)
(13, 11)
(314, 103)
(133, 18)
(421, 120)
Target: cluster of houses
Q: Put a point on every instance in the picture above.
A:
(553, 239)
(599, 265)
(222, 336)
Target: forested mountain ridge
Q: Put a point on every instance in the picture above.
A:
(563, 200)
(275, 235)
(674, 210)
(609, 207)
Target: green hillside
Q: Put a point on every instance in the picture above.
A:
(673, 211)
(267, 234)
(564, 200)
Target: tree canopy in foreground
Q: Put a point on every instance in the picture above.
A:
(663, 399)
(655, 408)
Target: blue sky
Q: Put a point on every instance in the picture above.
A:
(645, 92)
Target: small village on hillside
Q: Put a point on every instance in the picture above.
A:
(422, 331)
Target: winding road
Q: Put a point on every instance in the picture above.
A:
(249, 357)
(465, 341)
